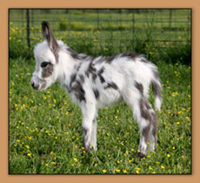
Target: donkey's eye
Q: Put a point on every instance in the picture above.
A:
(44, 64)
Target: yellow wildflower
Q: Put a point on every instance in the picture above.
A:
(27, 146)
(125, 171)
(162, 166)
(179, 112)
(174, 94)
(104, 171)
(76, 160)
(168, 155)
(188, 119)
(29, 154)
(137, 170)
(53, 163)
(18, 141)
(117, 170)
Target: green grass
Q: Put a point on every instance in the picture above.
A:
(45, 134)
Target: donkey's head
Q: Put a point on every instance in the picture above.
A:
(46, 57)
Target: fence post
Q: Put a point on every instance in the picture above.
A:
(28, 28)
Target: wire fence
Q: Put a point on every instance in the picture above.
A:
(104, 27)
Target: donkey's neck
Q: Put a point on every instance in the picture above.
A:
(67, 67)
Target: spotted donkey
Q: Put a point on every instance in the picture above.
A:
(94, 83)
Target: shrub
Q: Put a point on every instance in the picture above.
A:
(178, 53)
(90, 42)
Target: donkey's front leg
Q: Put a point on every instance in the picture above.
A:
(89, 126)
(94, 135)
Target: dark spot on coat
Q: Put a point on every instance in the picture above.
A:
(100, 72)
(154, 123)
(77, 56)
(47, 71)
(145, 132)
(100, 59)
(101, 78)
(82, 78)
(72, 79)
(110, 59)
(94, 76)
(111, 85)
(144, 111)
(96, 93)
(73, 53)
(91, 71)
(131, 55)
(144, 60)
(156, 89)
(78, 91)
(139, 86)
(147, 105)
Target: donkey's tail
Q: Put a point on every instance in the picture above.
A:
(157, 90)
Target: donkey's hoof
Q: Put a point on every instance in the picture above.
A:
(141, 155)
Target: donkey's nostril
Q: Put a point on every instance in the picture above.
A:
(32, 84)
(35, 86)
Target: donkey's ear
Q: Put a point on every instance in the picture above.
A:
(49, 36)
(46, 30)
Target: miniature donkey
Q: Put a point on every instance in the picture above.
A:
(94, 83)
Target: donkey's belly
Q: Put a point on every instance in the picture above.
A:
(108, 98)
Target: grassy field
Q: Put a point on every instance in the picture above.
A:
(45, 134)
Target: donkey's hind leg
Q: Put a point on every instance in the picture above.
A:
(153, 131)
(144, 122)
(135, 98)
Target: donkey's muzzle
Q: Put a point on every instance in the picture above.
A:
(35, 86)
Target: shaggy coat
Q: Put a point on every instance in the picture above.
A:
(94, 83)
